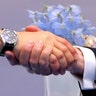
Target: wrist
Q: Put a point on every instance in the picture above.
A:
(78, 67)
(17, 48)
(8, 40)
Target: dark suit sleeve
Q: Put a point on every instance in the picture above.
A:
(89, 92)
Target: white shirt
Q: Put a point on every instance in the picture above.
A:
(89, 68)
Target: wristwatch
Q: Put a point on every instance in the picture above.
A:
(9, 39)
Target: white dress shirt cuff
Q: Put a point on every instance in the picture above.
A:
(89, 68)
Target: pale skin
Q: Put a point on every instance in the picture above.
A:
(76, 67)
(49, 56)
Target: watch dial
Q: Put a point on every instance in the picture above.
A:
(9, 36)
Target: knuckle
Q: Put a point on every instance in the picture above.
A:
(60, 55)
(64, 49)
(53, 59)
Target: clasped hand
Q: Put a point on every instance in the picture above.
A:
(42, 52)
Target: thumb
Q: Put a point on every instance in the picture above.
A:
(11, 58)
(32, 29)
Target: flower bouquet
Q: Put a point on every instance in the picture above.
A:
(66, 22)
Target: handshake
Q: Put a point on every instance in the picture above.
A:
(45, 53)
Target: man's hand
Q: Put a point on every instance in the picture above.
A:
(47, 53)
(10, 55)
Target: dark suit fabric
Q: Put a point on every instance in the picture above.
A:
(91, 92)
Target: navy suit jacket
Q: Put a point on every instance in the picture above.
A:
(91, 92)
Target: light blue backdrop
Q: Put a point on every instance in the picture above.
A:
(16, 81)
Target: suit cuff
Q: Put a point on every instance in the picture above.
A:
(89, 68)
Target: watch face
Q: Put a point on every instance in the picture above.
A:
(9, 36)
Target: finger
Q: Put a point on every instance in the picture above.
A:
(36, 51)
(68, 45)
(61, 58)
(11, 58)
(44, 61)
(32, 29)
(54, 65)
(66, 52)
(25, 53)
